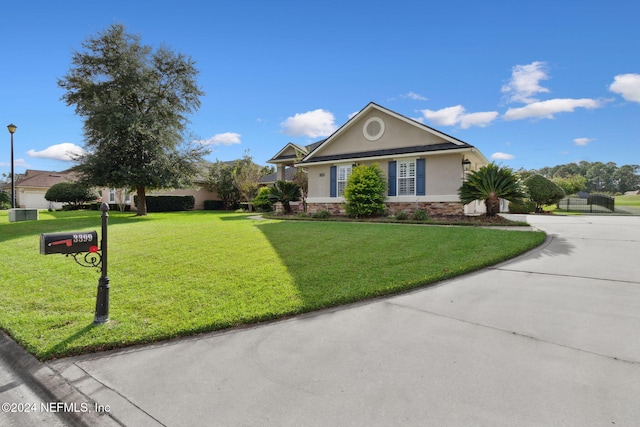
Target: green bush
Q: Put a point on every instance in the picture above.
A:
(420, 215)
(213, 205)
(5, 200)
(262, 203)
(522, 207)
(285, 192)
(402, 216)
(168, 203)
(73, 193)
(365, 191)
(322, 214)
(543, 191)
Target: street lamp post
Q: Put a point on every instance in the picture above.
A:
(12, 128)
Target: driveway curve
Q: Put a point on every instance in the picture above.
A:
(549, 338)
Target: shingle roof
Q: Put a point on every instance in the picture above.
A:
(388, 152)
(289, 174)
(44, 179)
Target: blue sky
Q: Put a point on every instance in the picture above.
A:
(530, 84)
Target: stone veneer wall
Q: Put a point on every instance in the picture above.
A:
(433, 209)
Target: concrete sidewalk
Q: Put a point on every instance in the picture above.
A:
(549, 338)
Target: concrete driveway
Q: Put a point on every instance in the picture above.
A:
(550, 338)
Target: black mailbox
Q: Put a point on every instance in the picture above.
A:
(69, 243)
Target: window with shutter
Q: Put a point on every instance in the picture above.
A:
(406, 178)
(343, 175)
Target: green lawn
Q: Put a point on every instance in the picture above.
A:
(175, 274)
(632, 200)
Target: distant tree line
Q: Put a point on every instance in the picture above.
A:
(592, 177)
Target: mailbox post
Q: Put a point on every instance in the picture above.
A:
(82, 246)
(102, 300)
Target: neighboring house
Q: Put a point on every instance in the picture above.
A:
(32, 187)
(269, 180)
(198, 190)
(424, 167)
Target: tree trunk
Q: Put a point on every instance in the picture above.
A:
(492, 204)
(142, 202)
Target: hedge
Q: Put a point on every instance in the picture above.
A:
(168, 203)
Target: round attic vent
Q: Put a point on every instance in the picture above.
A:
(373, 128)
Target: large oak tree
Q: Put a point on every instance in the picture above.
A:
(134, 102)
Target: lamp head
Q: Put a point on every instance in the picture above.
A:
(12, 128)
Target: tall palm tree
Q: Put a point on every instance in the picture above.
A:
(491, 183)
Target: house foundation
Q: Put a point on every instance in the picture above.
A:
(433, 209)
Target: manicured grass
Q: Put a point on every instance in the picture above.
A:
(632, 200)
(175, 274)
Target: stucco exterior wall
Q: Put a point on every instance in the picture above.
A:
(443, 178)
(397, 134)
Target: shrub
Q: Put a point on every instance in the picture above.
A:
(262, 202)
(522, 207)
(542, 191)
(365, 191)
(72, 193)
(322, 214)
(168, 203)
(402, 216)
(214, 205)
(420, 215)
(491, 183)
(285, 192)
(5, 200)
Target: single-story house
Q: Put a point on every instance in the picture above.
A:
(33, 185)
(424, 167)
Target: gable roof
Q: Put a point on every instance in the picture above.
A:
(451, 143)
(289, 152)
(289, 175)
(44, 179)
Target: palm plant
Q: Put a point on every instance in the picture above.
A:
(285, 192)
(491, 183)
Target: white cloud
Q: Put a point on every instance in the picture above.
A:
(448, 116)
(65, 152)
(414, 96)
(477, 119)
(502, 156)
(582, 141)
(546, 109)
(627, 85)
(227, 138)
(16, 162)
(451, 116)
(314, 124)
(525, 82)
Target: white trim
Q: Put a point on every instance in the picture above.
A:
(393, 199)
(347, 168)
(431, 198)
(407, 162)
(339, 199)
(378, 135)
(295, 147)
(415, 155)
(372, 106)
